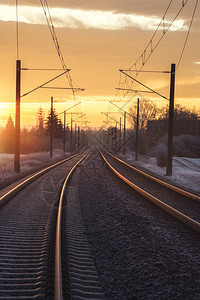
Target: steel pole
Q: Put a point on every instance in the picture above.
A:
(78, 139)
(137, 129)
(71, 135)
(124, 133)
(75, 142)
(64, 136)
(51, 133)
(171, 122)
(17, 118)
(120, 133)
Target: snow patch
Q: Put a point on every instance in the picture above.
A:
(27, 162)
(186, 171)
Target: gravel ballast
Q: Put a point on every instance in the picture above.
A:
(140, 251)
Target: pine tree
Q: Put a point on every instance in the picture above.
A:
(57, 125)
(40, 121)
(9, 136)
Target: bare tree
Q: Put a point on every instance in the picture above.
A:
(148, 111)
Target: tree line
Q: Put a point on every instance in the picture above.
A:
(153, 130)
(37, 138)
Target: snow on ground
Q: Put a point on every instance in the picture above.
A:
(28, 162)
(186, 171)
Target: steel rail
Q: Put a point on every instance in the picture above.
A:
(14, 191)
(185, 219)
(165, 184)
(58, 267)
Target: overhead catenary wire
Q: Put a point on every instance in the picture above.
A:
(188, 33)
(49, 20)
(150, 42)
(55, 40)
(144, 57)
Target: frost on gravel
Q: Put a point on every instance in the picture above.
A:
(140, 251)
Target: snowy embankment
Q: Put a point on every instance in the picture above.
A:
(28, 164)
(186, 171)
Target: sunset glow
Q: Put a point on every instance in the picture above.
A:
(80, 18)
(96, 40)
(99, 149)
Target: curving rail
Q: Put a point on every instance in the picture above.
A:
(13, 192)
(174, 212)
(28, 227)
(58, 267)
(172, 187)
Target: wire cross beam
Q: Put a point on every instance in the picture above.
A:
(76, 119)
(111, 118)
(68, 108)
(142, 71)
(73, 113)
(84, 122)
(108, 123)
(115, 112)
(143, 85)
(135, 91)
(62, 88)
(123, 110)
(40, 86)
(29, 69)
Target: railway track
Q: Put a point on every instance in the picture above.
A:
(179, 203)
(186, 163)
(7, 196)
(34, 258)
(44, 251)
(141, 252)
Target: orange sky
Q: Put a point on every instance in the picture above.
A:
(96, 38)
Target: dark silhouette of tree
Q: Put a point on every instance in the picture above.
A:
(148, 111)
(10, 125)
(40, 119)
(9, 135)
(180, 113)
(185, 122)
(57, 125)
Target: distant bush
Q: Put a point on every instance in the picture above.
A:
(160, 153)
(187, 145)
(184, 145)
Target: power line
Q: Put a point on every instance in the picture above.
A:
(144, 57)
(49, 20)
(54, 37)
(150, 48)
(188, 33)
(151, 40)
